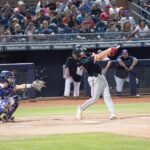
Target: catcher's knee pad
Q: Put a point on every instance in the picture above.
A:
(16, 99)
(4, 105)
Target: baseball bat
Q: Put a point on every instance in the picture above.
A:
(128, 37)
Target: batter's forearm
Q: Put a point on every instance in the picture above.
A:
(102, 55)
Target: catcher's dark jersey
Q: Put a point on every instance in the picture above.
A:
(120, 71)
(72, 65)
(92, 68)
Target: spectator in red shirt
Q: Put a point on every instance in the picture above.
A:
(105, 16)
(88, 24)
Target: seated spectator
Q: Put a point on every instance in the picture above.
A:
(67, 8)
(73, 10)
(65, 19)
(120, 14)
(45, 28)
(13, 23)
(146, 4)
(127, 17)
(63, 4)
(55, 18)
(58, 8)
(85, 6)
(114, 9)
(81, 15)
(127, 27)
(30, 30)
(8, 36)
(105, 15)
(73, 24)
(95, 11)
(77, 2)
(6, 13)
(42, 16)
(142, 29)
(112, 28)
(19, 16)
(28, 16)
(102, 4)
(41, 4)
(18, 30)
(21, 8)
(88, 25)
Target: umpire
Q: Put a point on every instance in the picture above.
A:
(73, 74)
(125, 66)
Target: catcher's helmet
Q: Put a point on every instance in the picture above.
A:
(6, 74)
(78, 50)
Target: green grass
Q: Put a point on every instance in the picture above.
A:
(69, 110)
(84, 141)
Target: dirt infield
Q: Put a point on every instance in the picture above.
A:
(128, 124)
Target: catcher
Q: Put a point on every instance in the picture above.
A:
(9, 102)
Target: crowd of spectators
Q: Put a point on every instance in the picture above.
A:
(70, 16)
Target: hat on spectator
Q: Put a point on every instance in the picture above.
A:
(16, 10)
(126, 12)
(124, 51)
(113, 2)
(42, 10)
(107, 6)
(15, 19)
(20, 3)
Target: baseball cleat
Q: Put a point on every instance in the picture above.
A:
(12, 119)
(113, 117)
(3, 119)
(79, 114)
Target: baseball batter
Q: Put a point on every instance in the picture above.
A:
(96, 79)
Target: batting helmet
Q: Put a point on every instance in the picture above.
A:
(78, 50)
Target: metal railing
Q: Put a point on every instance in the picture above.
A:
(67, 41)
(71, 38)
(140, 12)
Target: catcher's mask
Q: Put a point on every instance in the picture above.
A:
(8, 76)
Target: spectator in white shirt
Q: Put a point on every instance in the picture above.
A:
(102, 4)
(142, 29)
(126, 18)
(114, 9)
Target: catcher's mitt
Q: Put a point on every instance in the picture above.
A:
(38, 85)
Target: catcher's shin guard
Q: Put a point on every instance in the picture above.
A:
(13, 108)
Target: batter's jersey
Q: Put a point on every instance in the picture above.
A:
(93, 69)
(120, 71)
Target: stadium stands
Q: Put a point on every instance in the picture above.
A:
(88, 16)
